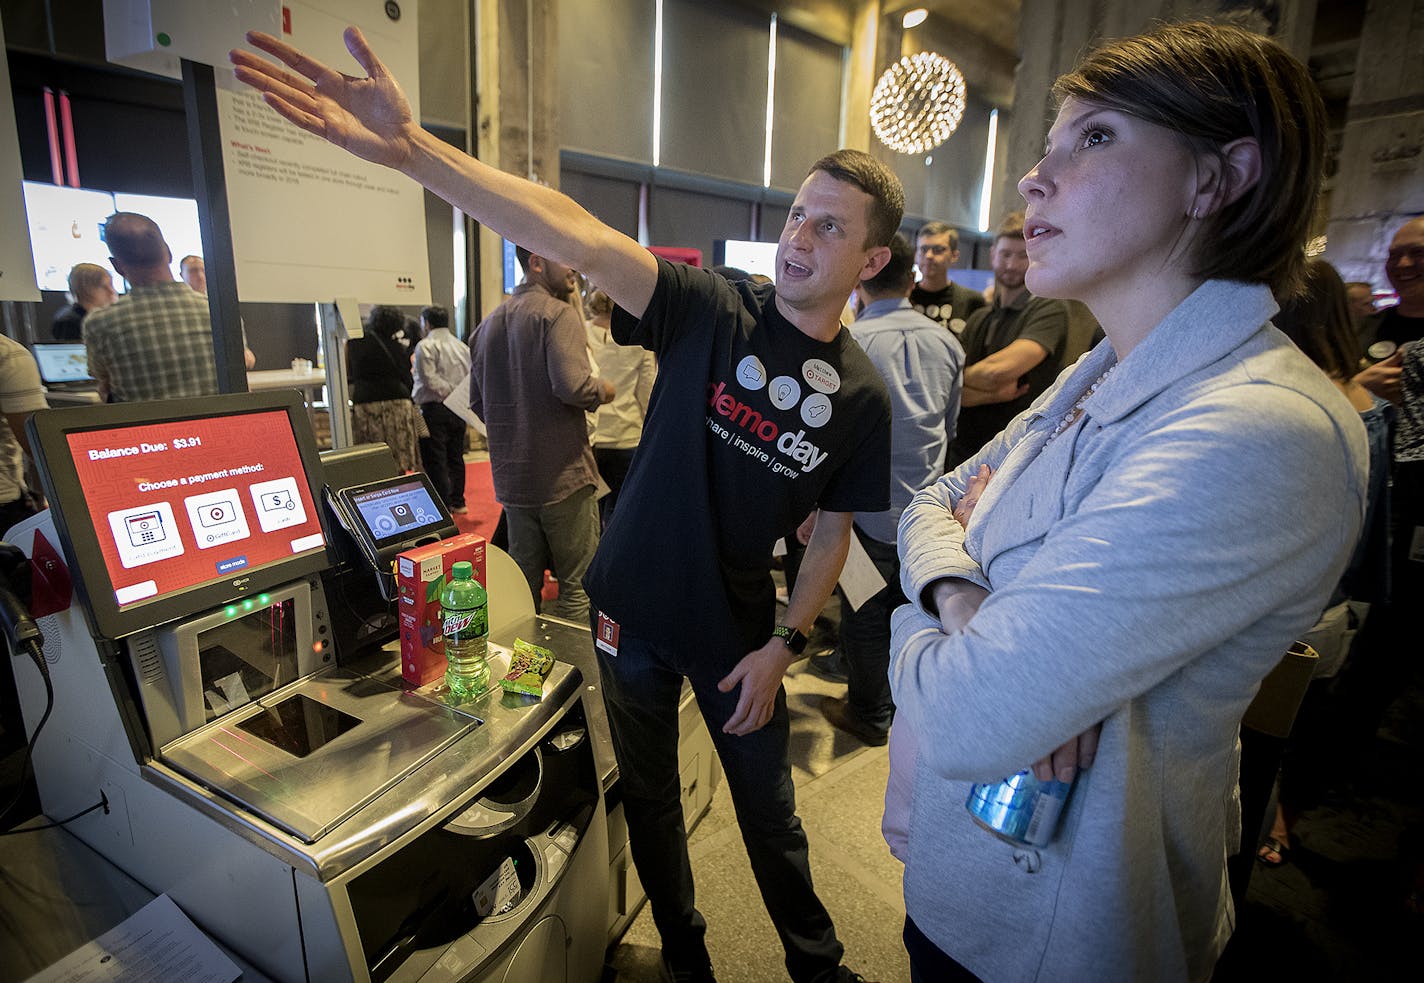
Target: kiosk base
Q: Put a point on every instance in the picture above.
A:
(387, 893)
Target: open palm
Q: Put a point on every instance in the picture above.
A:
(370, 117)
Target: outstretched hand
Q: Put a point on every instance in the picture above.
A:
(370, 117)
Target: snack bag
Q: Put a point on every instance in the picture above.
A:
(529, 666)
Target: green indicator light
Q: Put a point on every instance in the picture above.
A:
(164, 40)
(247, 605)
(230, 611)
(264, 598)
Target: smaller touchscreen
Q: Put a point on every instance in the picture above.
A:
(390, 515)
(403, 509)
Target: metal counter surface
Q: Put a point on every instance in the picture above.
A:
(572, 645)
(510, 724)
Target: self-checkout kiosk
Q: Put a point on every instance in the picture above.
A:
(210, 606)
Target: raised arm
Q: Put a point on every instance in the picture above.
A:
(371, 118)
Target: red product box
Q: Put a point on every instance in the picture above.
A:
(421, 574)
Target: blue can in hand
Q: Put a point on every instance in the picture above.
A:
(1020, 809)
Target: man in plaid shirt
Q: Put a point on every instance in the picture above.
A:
(157, 341)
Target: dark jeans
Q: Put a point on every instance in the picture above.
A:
(865, 639)
(443, 452)
(641, 688)
(612, 468)
(928, 962)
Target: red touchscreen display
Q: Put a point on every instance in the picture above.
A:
(178, 505)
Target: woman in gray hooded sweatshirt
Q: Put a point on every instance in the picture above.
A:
(1105, 583)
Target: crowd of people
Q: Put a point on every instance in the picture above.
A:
(1085, 569)
(1093, 588)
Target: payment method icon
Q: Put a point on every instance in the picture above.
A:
(145, 528)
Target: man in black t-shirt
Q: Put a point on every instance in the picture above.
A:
(763, 409)
(936, 296)
(1012, 348)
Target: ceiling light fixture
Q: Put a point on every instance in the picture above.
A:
(918, 103)
(914, 18)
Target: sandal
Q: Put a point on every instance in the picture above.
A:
(1273, 845)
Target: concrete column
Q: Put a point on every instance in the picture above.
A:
(862, 72)
(517, 113)
(1053, 36)
(888, 48)
(528, 90)
(1379, 181)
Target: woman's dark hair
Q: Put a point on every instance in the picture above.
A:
(1318, 320)
(385, 321)
(1212, 84)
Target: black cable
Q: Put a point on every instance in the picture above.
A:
(103, 803)
(33, 647)
(22, 633)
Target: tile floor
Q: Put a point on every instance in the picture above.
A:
(840, 786)
(1335, 912)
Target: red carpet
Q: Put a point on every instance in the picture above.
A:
(479, 499)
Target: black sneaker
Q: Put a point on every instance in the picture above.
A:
(842, 717)
(830, 666)
(679, 972)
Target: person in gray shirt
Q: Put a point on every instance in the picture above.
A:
(441, 364)
(531, 383)
(923, 366)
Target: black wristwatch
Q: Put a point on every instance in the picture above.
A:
(793, 638)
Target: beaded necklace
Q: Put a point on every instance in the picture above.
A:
(1072, 414)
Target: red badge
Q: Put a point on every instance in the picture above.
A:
(605, 634)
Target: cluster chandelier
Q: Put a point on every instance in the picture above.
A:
(917, 103)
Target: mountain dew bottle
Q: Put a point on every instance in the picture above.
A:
(464, 614)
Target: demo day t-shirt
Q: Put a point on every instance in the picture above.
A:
(750, 426)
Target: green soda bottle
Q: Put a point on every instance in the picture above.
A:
(464, 615)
